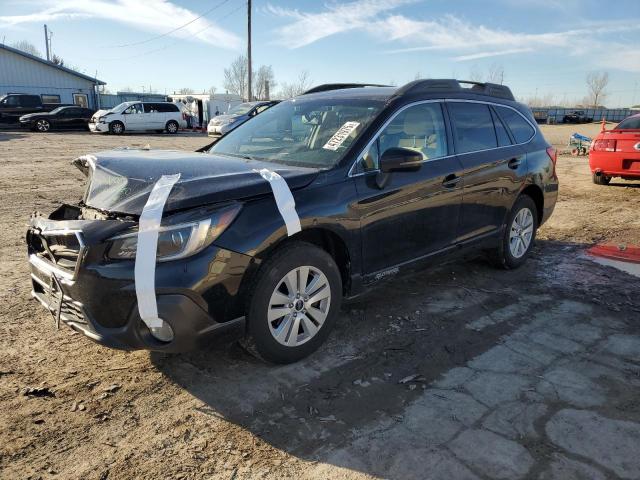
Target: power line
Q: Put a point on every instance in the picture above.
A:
(148, 52)
(171, 31)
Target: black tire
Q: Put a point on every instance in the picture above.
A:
(172, 126)
(42, 125)
(116, 127)
(601, 179)
(502, 256)
(259, 338)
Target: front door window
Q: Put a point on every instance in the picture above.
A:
(420, 128)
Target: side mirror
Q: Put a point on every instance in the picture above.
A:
(398, 159)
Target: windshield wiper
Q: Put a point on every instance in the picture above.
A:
(238, 155)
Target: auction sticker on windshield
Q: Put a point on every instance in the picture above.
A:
(341, 135)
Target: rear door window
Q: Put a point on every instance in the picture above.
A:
(151, 108)
(521, 130)
(473, 126)
(501, 132)
(30, 101)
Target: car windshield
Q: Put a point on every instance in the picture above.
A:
(631, 123)
(241, 109)
(301, 132)
(58, 110)
(120, 106)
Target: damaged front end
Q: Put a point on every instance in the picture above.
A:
(82, 260)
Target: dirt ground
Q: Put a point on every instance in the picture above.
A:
(460, 372)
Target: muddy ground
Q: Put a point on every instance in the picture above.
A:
(459, 372)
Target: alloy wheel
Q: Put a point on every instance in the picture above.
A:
(299, 305)
(172, 127)
(521, 233)
(42, 126)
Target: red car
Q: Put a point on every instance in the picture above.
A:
(616, 153)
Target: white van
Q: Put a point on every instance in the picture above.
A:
(138, 116)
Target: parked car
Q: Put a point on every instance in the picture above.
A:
(139, 116)
(317, 199)
(15, 105)
(223, 124)
(76, 118)
(577, 116)
(616, 153)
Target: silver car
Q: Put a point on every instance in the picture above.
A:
(223, 124)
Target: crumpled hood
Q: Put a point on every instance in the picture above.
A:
(121, 180)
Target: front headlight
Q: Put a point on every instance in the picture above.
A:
(176, 241)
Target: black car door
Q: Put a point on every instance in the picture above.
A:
(494, 167)
(410, 214)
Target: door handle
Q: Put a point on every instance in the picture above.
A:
(514, 163)
(451, 180)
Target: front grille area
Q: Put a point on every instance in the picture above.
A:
(62, 250)
(71, 311)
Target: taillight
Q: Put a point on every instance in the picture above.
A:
(553, 155)
(604, 145)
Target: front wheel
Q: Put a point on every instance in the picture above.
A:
(519, 234)
(172, 126)
(43, 126)
(295, 303)
(116, 127)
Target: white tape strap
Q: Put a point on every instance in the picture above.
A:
(284, 200)
(145, 268)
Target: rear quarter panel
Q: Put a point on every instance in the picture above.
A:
(542, 173)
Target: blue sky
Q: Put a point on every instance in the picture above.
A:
(546, 47)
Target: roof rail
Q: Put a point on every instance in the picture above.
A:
(446, 85)
(337, 86)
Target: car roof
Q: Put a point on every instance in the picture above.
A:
(374, 93)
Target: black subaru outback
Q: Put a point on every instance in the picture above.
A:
(317, 199)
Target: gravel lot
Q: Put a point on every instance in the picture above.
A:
(460, 372)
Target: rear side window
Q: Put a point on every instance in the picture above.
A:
(501, 132)
(521, 130)
(151, 108)
(166, 107)
(473, 126)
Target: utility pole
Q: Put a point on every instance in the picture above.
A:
(249, 50)
(46, 42)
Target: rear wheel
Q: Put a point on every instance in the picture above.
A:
(519, 234)
(116, 127)
(294, 304)
(601, 179)
(43, 125)
(172, 126)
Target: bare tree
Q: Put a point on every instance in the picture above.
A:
(264, 82)
(27, 47)
(546, 100)
(186, 91)
(235, 77)
(212, 91)
(596, 85)
(57, 60)
(495, 73)
(475, 74)
(294, 89)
